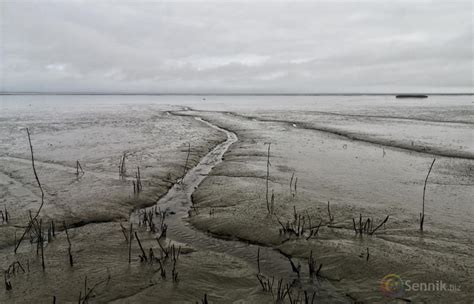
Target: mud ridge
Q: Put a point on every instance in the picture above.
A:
(358, 137)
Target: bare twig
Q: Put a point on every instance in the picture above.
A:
(124, 232)
(143, 257)
(422, 214)
(79, 167)
(296, 269)
(258, 259)
(71, 261)
(185, 169)
(30, 224)
(122, 169)
(41, 242)
(267, 179)
(8, 284)
(380, 225)
(130, 243)
(331, 217)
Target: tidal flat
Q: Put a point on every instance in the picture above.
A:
(236, 199)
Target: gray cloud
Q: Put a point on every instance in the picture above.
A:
(159, 46)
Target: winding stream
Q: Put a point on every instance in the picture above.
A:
(178, 201)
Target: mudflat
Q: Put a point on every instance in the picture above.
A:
(322, 193)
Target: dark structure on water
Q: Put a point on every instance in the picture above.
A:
(411, 96)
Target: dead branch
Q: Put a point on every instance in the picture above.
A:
(71, 261)
(29, 226)
(422, 214)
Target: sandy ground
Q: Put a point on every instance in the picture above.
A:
(367, 158)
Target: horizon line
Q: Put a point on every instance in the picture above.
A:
(231, 93)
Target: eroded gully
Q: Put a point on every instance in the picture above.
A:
(178, 202)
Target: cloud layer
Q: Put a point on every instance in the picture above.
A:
(161, 46)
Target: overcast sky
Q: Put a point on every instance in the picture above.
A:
(246, 46)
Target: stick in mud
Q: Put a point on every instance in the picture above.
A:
(291, 182)
(8, 284)
(422, 214)
(296, 182)
(380, 225)
(78, 167)
(293, 187)
(30, 224)
(88, 291)
(312, 266)
(185, 169)
(137, 183)
(139, 180)
(124, 232)
(143, 257)
(130, 244)
(6, 214)
(258, 260)
(41, 243)
(122, 169)
(268, 177)
(71, 261)
(331, 217)
(296, 269)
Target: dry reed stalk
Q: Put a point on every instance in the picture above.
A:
(122, 169)
(32, 219)
(143, 256)
(69, 249)
(41, 241)
(267, 179)
(124, 232)
(422, 214)
(130, 244)
(366, 226)
(185, 169)
(79, 167)
(258, 259)
(331, 217)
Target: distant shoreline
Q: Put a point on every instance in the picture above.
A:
(232, 94)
